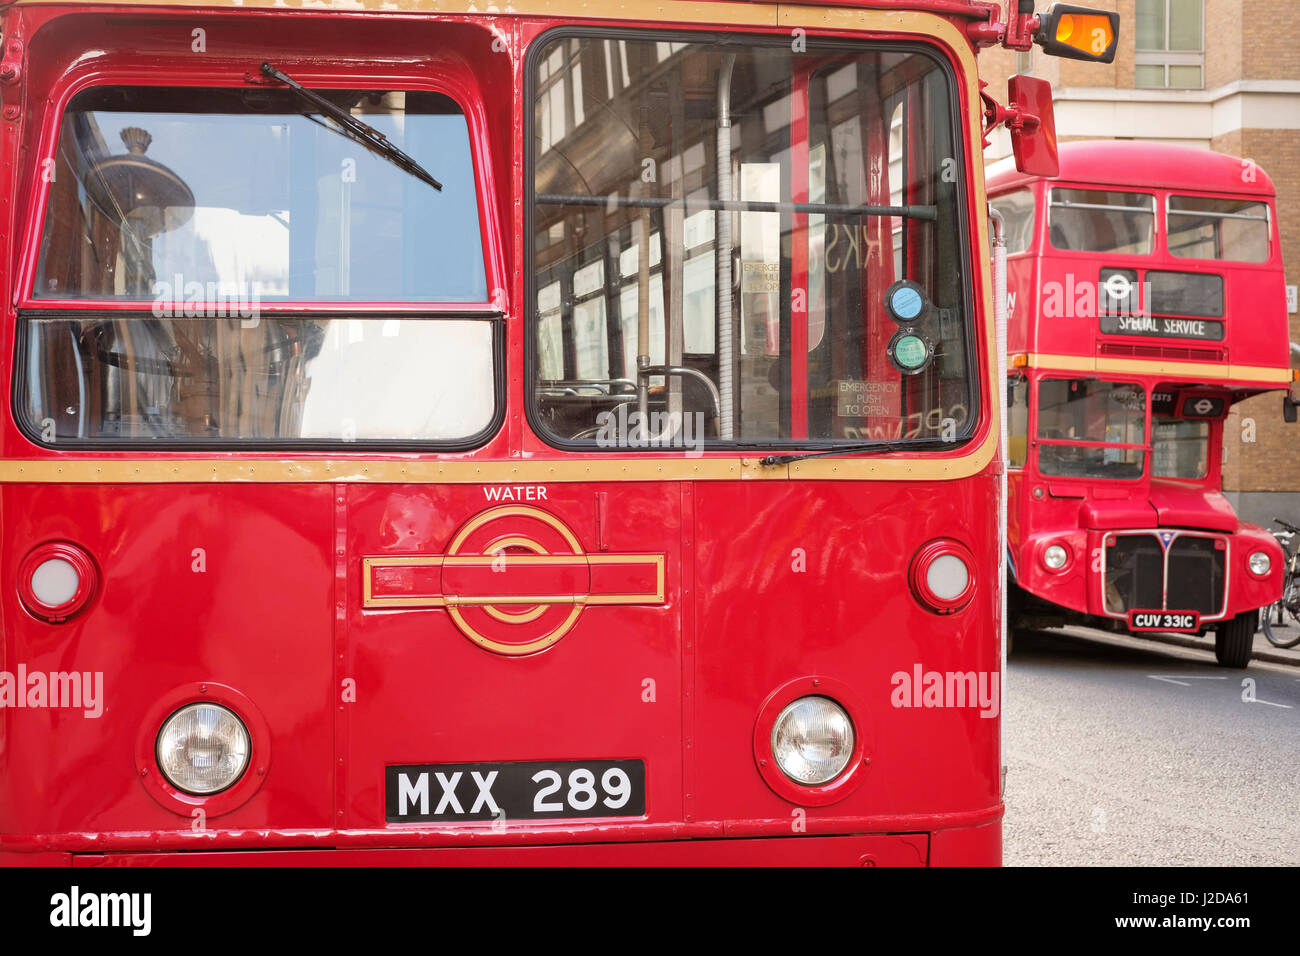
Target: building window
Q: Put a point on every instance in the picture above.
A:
(1170, 44)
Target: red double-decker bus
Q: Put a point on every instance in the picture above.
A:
(549, 434)
(1146, 297)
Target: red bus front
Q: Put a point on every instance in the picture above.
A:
(1147, 297)
(511, 436)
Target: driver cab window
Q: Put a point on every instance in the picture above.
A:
(1180, 448)
(677, 300)
(1018, 218)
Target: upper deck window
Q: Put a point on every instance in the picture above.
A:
(837, 181)
(1202, 227)
(158, 193)
(1096, 220)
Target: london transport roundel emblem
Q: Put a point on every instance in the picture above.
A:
(1118, 286)
(514, 580)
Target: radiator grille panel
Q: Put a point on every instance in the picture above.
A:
(1136, 578)
(1196, 572)
(1135, 567)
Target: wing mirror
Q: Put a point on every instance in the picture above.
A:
(1031, 121)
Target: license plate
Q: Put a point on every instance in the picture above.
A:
(542, 790)
(1164, 620)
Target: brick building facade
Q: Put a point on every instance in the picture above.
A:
(1230, 83)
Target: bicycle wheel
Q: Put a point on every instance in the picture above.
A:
(1287, 636)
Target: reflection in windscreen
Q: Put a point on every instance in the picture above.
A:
(748, 294)
(187, 380)
(1180, 448)
(184, 194)
(1074, 411)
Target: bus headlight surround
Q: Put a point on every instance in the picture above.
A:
(812, 740)
(203, 748)
(1259, 563)
(202, 745)
(1055, 557)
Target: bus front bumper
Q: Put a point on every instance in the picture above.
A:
(962, 846)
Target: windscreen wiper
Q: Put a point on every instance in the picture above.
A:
(842, 450)
(355, 129)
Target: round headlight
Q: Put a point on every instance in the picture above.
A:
(812, 740)
(203, 748)
(1055, 557)
(1260, 563)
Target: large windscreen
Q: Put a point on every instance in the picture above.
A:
(221, 216)
(112, 378)
(676, 296)
(1088, 428)
(251, 194)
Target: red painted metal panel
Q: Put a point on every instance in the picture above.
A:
(959, 846)
(228, 584)
(428, 693)
(1150, 165)
(849, 615)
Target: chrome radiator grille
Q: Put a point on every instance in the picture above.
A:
(1188, 575)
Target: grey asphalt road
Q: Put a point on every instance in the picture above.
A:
(1126, 752)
